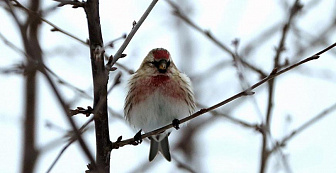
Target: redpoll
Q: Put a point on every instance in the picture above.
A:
(158, 95)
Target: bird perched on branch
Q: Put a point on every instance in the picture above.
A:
(159, 94)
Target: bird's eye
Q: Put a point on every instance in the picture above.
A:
(151, 63)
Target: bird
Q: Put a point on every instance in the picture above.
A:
(158, 95)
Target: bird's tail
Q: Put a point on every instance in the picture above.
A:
(162, 146)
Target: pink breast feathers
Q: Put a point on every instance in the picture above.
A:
(159, 80)
(167, 86)
(161, 54)
(161, 83)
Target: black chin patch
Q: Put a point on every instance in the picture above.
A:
(157, 65)
(162, 70)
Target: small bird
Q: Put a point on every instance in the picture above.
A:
(158, 95)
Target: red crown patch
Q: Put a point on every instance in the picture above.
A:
(161, 54)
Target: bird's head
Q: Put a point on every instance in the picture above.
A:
(158, 62)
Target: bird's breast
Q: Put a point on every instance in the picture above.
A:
(157, 100)
(163, 85)
(159, 80)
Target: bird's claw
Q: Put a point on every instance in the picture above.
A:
(137, 138)
(176, 124)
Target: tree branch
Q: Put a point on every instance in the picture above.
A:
(55, 28)
(68, 117)
(74, 3)
(177, 12)
(34, 57)
(303, 127)
(131, 141)
(100, 79)
(71, 141)
(32, 49)
(281, 47)
(129, 37)
(58, 29)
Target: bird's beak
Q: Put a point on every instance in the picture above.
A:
(162, 65)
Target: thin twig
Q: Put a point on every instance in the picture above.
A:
(232, 119)
(260, 39)
(296, 7)
(21, 68)
(10, 6)
(177, 12)
(55, 28)
(72, 140)
(80, 110)
(68, 116)
(303, 127)
(67, 84)
(111, 43)
(246, 92)
(129, 37)
(238, 64)
(74, 3)
(14, 47)
(59, 156)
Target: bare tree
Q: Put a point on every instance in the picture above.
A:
(107, 68)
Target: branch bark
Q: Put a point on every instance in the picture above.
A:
(271, 86)
(29, 31)
(100, 79)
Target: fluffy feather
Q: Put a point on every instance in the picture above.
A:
(156, 97)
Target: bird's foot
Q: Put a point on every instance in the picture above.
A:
(137, 138)
(176, 124)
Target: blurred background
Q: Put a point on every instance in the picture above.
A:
(227, 140)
